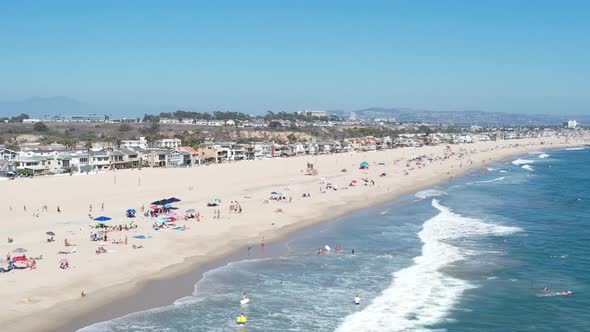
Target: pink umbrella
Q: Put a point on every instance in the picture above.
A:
(172, 218)
(63, 261)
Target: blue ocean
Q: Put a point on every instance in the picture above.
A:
(474, 254)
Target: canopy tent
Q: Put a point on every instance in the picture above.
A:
(102, 218)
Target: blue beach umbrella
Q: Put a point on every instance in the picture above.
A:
(173, 200)
(167, 206)
(131, 211)
(102, 218)
(364, 163)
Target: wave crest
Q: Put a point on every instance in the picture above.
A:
(421, 295)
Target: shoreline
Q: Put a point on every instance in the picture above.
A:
(133, 297)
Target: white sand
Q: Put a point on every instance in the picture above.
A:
(34, 300)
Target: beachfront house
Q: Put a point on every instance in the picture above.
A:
(174, 158)
(100, 160)
(191, 157)
(7, 168)
(155, 158)
(7, 154)
(131, 158)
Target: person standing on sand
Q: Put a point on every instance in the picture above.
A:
(262, 244)
(58, 209)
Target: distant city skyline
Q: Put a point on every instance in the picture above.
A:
(131, 58)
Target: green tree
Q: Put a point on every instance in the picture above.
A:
(125, 127)
(40, 126)
(13, 146)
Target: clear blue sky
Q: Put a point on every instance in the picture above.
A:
(510, 56)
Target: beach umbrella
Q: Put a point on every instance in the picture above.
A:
(50, 233)
(173, 200)
(153, 207)
(156, 203)
(190, 211)
(162, 220)
(19, 250)
(172, 218)
(212, 200)
(364, 164)
(63, 261)
(131, 211)
(102, 218)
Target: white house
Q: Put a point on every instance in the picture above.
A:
(168, 143)
(141, 143)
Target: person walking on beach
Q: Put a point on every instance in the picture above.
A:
(58, 209)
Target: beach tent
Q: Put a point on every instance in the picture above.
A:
(102, 218)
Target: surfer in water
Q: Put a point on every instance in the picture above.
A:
(357, 299)
(244, 296)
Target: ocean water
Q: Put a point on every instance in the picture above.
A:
(473, 254)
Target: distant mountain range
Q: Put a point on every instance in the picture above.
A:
(461, 117)
(46, 107)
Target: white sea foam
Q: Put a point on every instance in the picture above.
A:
(528, 167)
(429, 193)
(422, 295)
(575, 149)
(489, 181)
(522, 161)
(490, 169)
(543, 156)
(535, 152)
(503, 171)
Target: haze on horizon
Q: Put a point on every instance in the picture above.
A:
(133, 57)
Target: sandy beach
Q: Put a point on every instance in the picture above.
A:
(47, 296)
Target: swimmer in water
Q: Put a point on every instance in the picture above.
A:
(357, 299)
(546, 290)
(353, 252)
(244, 296)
